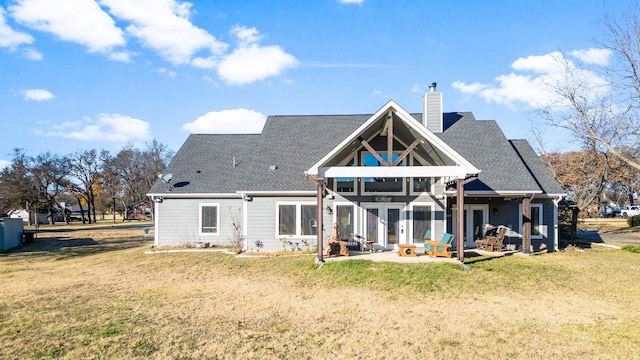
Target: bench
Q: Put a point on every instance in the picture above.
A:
(406, 250)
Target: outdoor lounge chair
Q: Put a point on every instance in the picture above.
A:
(492, 242)
(439, 247)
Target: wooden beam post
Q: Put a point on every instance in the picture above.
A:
(390, 139)
(320, 202)
(460, 219)
(526, 224)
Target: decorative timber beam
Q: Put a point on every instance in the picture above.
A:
(407, 151)
(372, 151)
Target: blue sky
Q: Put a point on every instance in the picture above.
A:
(99, 74)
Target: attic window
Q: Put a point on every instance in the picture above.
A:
(273, 167)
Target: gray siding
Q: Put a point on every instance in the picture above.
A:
(178, 221)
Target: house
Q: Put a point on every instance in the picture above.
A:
(390, 177)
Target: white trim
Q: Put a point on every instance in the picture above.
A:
(200, 206)
(298, 219)
(278, 193)
(392, 171)
(466, 166)
(169, 195)
(156, 223)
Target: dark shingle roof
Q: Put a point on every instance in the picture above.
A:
(204, 164)
(484, 145)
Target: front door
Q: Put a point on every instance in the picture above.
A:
(384, 224)
(475, 217)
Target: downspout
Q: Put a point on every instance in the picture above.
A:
(319, 200)
(460, 219)
(156, 215)
(556, 201)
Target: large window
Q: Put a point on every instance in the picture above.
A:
(422, 223)
(393, 185)
(297, 219)
(209, 219)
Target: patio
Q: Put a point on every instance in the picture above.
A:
(392, 256)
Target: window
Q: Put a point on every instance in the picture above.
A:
(346, 185)
(537, 227)
(209, 219)
(536, 220)
(297, 219)
(420, 184)
(345, 218)
(421, 223)
(393, 185)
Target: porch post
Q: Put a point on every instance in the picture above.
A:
(320, 187)
(460, 219)
(526, 225)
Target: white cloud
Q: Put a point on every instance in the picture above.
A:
(593, 56)
(122, 56)
(4, 164)
(79, 21)
(234, 121)
(38, 95)
(251, 62)
(10, 38)
(533, 82)
(32, 54)
(468, 88)
(108, 127)
(351, 1)
(163, 25)
(170, 74)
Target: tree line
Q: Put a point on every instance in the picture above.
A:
(97, 181)
(594, 179)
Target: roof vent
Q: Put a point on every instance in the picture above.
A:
(273, 167)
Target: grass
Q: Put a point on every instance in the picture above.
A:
(83, 293)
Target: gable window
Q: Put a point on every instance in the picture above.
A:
(296, 219)
(388, 185)
(346, 185)
(209, 219)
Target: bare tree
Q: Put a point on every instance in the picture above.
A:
(602, 111)
(50, 178)
(85, 168)
(582, 174)
(129, 175)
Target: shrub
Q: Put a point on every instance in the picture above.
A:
(634, 221)
(631, 248)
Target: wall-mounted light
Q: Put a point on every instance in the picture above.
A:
(495, 212)
(329, 210)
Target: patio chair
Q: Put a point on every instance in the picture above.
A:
(440, 247)
(492, 242)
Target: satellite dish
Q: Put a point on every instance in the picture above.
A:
(167, 178)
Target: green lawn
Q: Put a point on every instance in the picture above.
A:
(82, 295)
